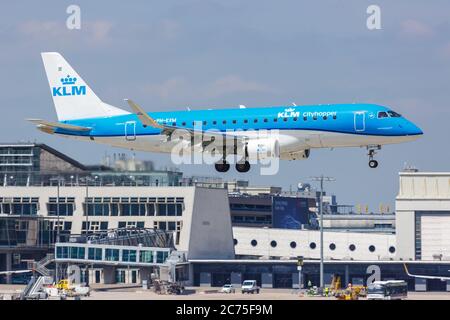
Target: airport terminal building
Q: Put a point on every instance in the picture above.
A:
(219, 246)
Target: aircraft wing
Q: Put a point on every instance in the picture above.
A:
(424, 276)
(147, 120)
(43, 124)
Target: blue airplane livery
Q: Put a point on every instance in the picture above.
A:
(282, 132)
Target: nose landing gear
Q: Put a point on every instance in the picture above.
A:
(371, 152)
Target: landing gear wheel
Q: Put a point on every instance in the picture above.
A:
(243, 166)
(373, 164)
(222, 166)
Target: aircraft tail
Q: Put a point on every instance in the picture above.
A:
(72, 97)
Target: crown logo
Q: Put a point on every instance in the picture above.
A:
(68, 80)
(289, 110)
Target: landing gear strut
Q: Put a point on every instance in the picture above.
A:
(371, 152)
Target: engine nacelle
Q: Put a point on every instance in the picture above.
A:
(257, 149)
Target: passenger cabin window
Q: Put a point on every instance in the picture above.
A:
(382, 114)
(394, 114)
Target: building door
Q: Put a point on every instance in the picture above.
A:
(360, 121)
(133, 276)
(97, 274)
(130, 130)
(435, 236)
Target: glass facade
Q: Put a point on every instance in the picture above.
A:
(146, 256)
(19, 206)
(129, 255)
(95, 254)
(133, 206)
(112, 254)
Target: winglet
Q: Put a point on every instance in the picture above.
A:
(145, 119)
(407, 271)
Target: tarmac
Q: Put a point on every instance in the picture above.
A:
(132, 292)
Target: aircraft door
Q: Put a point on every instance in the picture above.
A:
(130, 130)
(360, 121)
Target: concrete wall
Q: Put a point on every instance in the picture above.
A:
(303, 239)
(211, 234)
(419, 191)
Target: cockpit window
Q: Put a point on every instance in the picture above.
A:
(382, 114)
(394, 114)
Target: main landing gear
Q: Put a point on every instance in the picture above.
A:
(371, 152)
(223, 166)
(243, 166)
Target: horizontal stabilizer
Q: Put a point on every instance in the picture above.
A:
(58, 125)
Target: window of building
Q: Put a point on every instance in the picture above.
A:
(95, 254)
(161, 256)
(19, 206)
(293, 244)
(112, 254)
(352, 247)
(128, 255)
(332, 246)
(273, 243)
(312, 245)
(254, 243)
(371, 248)
(146, 256)
(76, 252)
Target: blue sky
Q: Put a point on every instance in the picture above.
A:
(169, 55)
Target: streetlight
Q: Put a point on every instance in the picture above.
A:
(58, 179)
(321, 178)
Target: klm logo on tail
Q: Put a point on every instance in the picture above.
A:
(69, 88)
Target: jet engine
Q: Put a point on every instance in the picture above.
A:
(262, 149)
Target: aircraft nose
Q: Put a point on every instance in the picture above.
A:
(412, 129)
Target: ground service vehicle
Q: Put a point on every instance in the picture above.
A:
(250, 286)
(387, 290)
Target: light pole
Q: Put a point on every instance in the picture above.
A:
(321, 178)
(58, 180)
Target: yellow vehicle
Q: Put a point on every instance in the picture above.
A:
(63, 284)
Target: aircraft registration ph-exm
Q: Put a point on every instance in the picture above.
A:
(83, 115)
